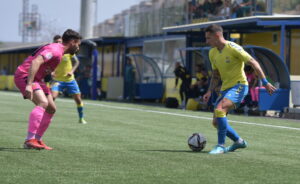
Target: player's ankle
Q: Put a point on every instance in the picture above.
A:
(240, 141)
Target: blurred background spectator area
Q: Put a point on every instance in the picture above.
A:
(207, 10)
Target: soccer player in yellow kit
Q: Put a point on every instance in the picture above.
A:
(228, 60)
(64, 79)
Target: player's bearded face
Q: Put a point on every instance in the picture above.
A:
(74, 46)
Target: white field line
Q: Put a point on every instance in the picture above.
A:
(168, 113)
(189, 116)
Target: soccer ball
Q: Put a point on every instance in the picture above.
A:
(197, 142)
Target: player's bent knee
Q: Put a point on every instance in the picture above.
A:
(51, 109)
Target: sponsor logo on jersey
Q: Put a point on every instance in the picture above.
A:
(48, 55)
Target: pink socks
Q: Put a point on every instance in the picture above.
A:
(34, 121)
(46, 120)
(39, 121)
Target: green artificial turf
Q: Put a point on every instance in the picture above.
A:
(134, 143)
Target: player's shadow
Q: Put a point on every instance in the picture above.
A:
(13, 149)
(173, 151)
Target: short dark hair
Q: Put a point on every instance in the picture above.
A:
(70, 34)
(56, 37)
(214, 28)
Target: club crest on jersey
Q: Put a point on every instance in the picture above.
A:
(48, 55)
(227, 60)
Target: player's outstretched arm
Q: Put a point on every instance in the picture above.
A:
(255, 65)
(214, 82)
(76, 63)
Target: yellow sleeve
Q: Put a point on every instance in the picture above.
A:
(241, 54)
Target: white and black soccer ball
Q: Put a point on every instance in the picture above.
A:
(197, 142)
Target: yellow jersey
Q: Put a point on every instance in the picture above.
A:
(230, 62)
(64, 67)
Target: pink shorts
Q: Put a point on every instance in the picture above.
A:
(21, 83)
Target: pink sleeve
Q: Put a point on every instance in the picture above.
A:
(47, 54)
(52, 52)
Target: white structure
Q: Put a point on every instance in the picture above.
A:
(87, 18)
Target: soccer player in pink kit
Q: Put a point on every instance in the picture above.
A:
(29, 79)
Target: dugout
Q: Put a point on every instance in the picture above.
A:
(148, 78)
(278, 74)
(280, 33)
(109, 61)
(277, 44)
(88, 56)
(271, 63)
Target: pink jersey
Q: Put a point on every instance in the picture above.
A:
(52, 54)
